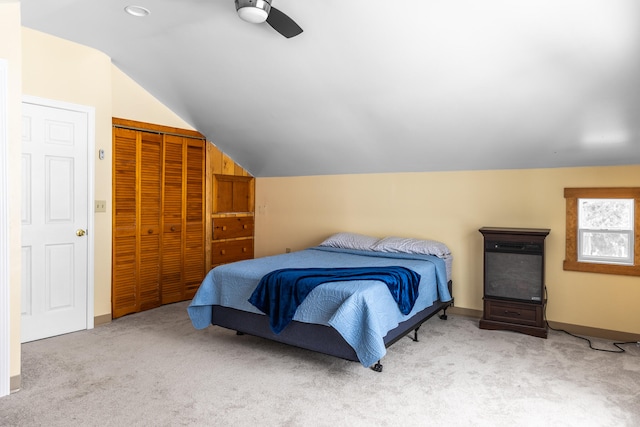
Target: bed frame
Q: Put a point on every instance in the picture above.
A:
(320, 338)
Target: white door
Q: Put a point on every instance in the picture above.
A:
(55, 248)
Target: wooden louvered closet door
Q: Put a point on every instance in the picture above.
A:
(158, 225)
(124, 273)
(172, 256)
(183, 218)
(194, 260)
(149, 211)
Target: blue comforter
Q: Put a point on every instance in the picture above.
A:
(280, 292)
(361, 311)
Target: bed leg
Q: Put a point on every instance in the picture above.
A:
(415, 334)
(239, 333)
(443, 316)
(377, 367)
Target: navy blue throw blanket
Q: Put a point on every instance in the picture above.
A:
(280, 292)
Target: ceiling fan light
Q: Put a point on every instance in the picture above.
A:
(253, 15)
(254, 11)
(138, 11)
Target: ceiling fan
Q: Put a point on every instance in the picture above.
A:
(258, 11)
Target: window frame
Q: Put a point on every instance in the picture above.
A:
(571, 262)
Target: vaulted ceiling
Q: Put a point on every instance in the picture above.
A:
(382, 86)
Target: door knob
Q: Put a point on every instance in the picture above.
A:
(80, 232)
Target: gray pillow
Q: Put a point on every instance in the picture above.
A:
(350, 241)
(411, 246)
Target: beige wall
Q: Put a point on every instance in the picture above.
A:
(60, 70)
(132, 102)
(77, 74)
(56, 69)
(451, 207)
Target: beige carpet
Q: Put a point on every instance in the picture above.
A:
(155, 369)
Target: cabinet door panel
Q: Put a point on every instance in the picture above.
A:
(172, 212)
(194, 261)
(240, 196)
(194, 258)
(124, 274)
(224, 196)
(232, 193)
(150, 196)
(172, 181)
(124, 179)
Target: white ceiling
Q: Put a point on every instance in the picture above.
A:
(383, 86)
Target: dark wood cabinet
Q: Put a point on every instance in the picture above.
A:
(514, 293)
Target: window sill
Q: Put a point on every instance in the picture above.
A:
(588, 267)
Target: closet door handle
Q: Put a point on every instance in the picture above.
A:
(173, 228)
(150, 231)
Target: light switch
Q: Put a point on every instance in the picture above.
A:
(101, 205)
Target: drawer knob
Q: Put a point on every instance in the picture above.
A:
(222, 252)
(224, 228)
(244, 226)
(244, 249)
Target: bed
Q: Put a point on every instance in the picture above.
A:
(353, 319)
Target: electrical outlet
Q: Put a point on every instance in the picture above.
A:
(101, 205)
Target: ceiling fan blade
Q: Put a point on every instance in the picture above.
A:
(283, 24)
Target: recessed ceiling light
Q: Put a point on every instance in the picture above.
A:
(137, 10)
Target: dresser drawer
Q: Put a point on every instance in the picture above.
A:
(232, 227)
(513, 312)
(231, 251)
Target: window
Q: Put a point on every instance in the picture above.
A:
(603, 230)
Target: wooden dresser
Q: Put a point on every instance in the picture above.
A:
(232, 219)
(232, 239)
